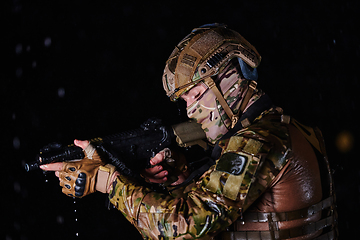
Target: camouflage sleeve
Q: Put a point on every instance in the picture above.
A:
(244, 170)
(160, 216)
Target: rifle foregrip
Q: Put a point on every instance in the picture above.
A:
(57, 155)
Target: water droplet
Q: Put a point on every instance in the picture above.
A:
(76, 219)
(74, 210)
(16, 143)
(61, 92)
(47, 42)
(60, 219)
(77, 234)
(18, 48)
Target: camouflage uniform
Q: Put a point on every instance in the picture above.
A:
(252, 161)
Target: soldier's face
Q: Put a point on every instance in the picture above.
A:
(194, 93)
(202, 107)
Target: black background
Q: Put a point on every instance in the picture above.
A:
(74, 69)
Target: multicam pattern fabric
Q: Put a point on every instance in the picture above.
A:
(208, 111)
(207, 49)
(250, 160)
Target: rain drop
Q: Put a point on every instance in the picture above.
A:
(60, 219)
(61, 92)
(47, 42)
(18, 49)
(16, 143)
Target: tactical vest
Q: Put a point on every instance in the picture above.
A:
(325, 227)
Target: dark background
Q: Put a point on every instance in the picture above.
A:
(74, 69)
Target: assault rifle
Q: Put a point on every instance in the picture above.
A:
(129, 151)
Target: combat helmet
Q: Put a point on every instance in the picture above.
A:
(202, 54)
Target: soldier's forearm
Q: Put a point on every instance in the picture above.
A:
(193, 215)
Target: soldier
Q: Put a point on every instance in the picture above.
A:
(268, 176)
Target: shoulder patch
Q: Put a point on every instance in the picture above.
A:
(232, 163)
(235, 170)
(232, 175)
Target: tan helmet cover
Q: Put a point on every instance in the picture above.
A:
(202, 54)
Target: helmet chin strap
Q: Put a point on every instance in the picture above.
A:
(234, 117)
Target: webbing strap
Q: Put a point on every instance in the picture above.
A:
(288, 216)
(304, 230)
(249, 93)
(254, 235)
(307, 229)
(274, 218)
(212, 86)
(266, 235)
(233, 117)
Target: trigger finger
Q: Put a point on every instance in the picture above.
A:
(52, 166)
(157, 159)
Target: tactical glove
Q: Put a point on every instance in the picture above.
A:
(79, 178)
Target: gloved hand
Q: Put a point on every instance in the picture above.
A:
(79, 178)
